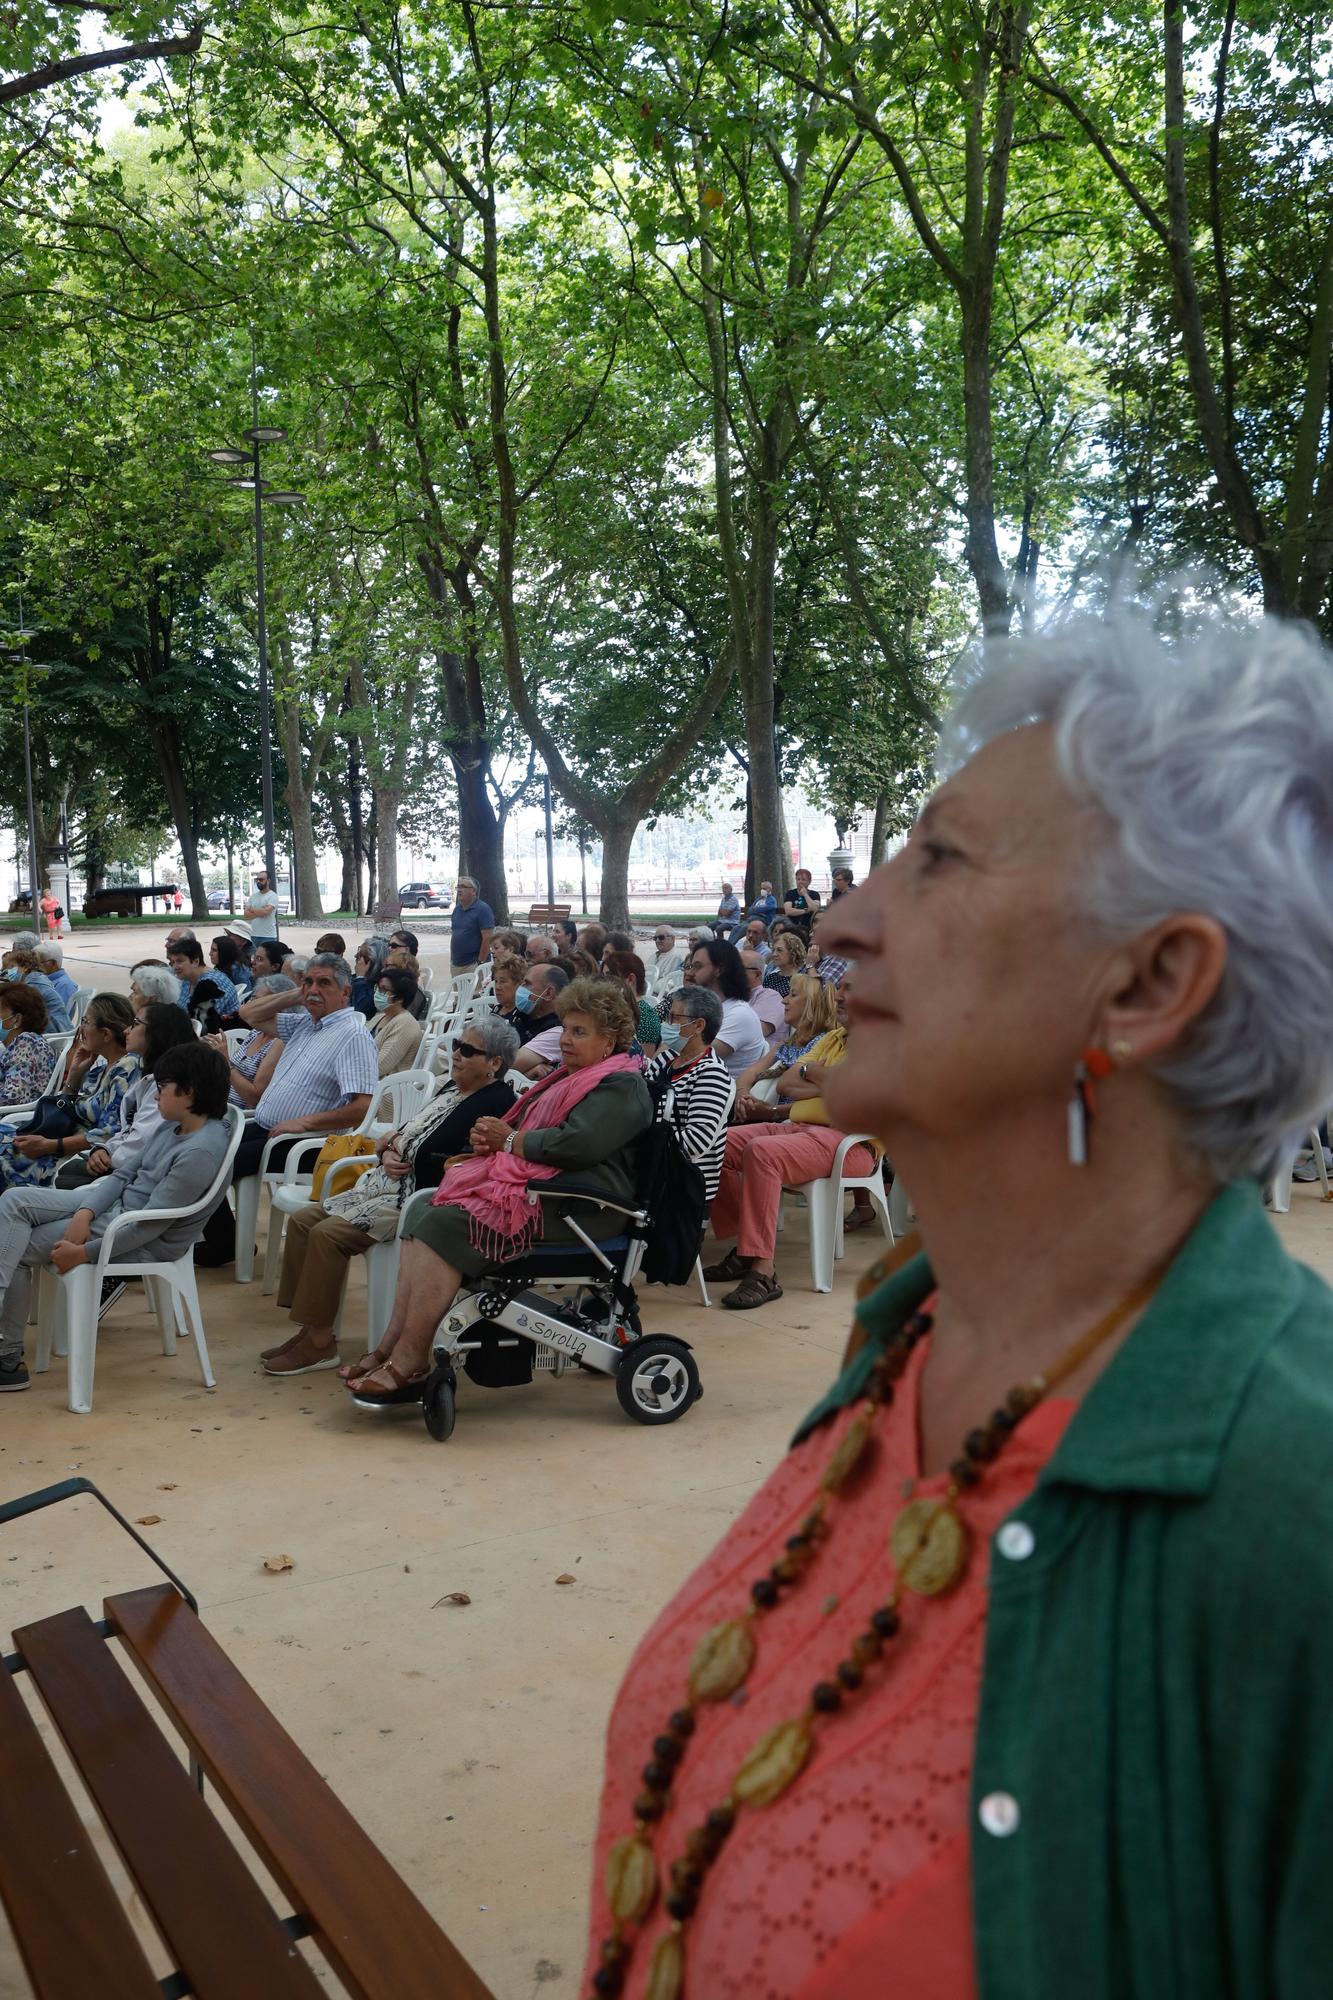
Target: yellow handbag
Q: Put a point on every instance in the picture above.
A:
(340, 1146)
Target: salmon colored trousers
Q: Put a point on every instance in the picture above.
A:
(760, 1160)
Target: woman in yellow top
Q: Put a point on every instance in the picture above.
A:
(762, 1159)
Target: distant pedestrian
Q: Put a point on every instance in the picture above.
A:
(177, 902)
(52, 911)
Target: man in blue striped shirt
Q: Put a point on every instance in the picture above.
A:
(325, 1076)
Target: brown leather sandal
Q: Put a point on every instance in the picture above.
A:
(406, 1388)
(733, 1265)
(756, 1288)
(365, 1366)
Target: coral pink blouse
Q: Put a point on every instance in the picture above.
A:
(855, 1882)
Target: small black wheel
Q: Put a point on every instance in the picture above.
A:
(439, 1406)
(657, 1379)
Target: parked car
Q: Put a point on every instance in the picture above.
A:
(218, 899)
(424, 896)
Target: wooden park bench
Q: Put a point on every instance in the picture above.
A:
(548, 913)
(216, 1920)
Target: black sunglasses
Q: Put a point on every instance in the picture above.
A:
(467, 1049)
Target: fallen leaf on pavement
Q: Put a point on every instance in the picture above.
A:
(454, 1597)
(566, 1578)
(169, 1486)
(146, 1520)
(278, 1563)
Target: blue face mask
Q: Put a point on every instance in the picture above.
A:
(12, 972)
(523, 999)
(671, 1037)
(381, 999)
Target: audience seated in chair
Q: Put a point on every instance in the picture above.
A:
(153, 979)
(583, 1123)
(26, 1057)
(21, 966)
(668, 967)
(761, 1159)
(718, 967)
(539, 1023)
(63, 1226)
(767, 1004)
(701, 1093)
(627, 965)
(810, 1011)
(785, 959)
(99, 1072)
(331, 942)
(50, 956)
(400, 959)
(251, 1067)
(323, 1080)
(156, 1028)
(323, 1237)
(206, 995)
(396, 1031)
(367, 966)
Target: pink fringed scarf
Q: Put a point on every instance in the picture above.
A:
(495, 1190)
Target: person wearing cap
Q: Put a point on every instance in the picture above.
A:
(669, 964)
(261, 909)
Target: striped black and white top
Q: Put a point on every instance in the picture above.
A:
(701, 1098)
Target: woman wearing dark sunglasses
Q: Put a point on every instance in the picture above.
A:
(323, 1237)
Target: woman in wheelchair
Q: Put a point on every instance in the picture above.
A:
(583, 1122)
(324, 1236)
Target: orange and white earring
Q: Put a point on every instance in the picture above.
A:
(1092, 1067)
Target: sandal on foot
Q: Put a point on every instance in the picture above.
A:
(406, 1388)
(860, 1218)
(756, 1288)
(733, 1265)
(365, 1366)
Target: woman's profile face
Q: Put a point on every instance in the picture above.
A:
(977, 984)
(582, 1042)
(506, 985)
(793, 1007)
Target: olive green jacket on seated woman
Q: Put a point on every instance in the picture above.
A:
(597, 1145)
(1152, 1795)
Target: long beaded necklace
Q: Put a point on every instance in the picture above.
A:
(929, 1543)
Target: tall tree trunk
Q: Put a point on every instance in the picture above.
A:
(758, 696)
(879, 832)
(152, 668)
(231, 876)
(613, 906)
(480, 832)
(372, 855)
(386, 843)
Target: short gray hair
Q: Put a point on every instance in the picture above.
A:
(496, 1037)
(1212, 760)
(157, 982)
(274, 982)
(339, 967)
(23, 941)
(700, 1004)
(468, 882)
(51, 950)
(376, 950)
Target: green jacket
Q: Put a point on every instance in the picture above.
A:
(598, 1145)
(1157, 1698)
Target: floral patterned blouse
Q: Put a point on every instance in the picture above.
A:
(26, 1063)
(98, 1112)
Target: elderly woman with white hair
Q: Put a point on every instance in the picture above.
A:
(1012, 1681)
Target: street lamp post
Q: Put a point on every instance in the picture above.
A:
(266, 495)
(19, 653)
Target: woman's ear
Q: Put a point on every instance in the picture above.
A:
(1166, 978)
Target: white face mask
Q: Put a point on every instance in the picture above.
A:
(672, 1036)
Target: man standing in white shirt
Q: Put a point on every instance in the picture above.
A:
(261, 911)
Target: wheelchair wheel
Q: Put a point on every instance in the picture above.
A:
(657, 1380)
(437, 1400)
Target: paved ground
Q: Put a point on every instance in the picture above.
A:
(468, 1739)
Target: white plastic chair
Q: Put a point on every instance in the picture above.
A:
(78, 1000)
(424, 1057)
(517, 1082)
(426, 977)
(74, 1297)
(825, 1203)
(397, 1099)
